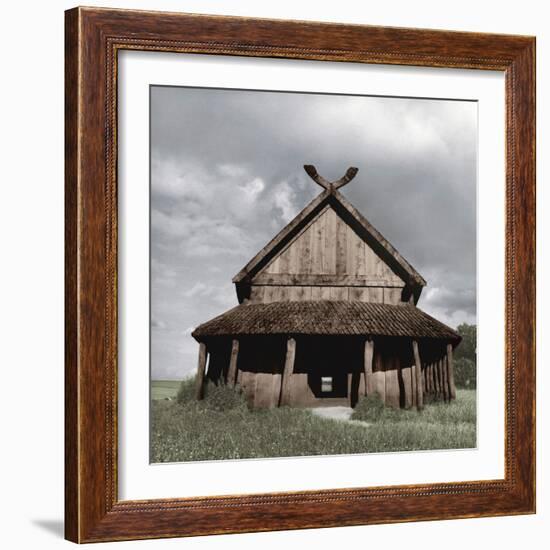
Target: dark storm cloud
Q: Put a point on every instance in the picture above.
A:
(227, 175)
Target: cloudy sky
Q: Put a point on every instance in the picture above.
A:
(226, 176)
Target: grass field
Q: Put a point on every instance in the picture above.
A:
(214, 430)
(164, 389)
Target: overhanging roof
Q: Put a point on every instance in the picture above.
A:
(326, 318)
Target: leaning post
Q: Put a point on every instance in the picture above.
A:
(232, 372)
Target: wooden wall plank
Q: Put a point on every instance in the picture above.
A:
(325, 293)
(351, 241)
(439, 366)
(392, 295)
(276, 293)
(268, 294)
(329, 263)
(356, 294)
(437, 379)
(299, 293)
(375, 295)
(379, 384)
(317, 246)
(392, 388)
(257, 293)
(284, 260)
(450, 372)
(341, 246)
(285, 294)
(413, 385)
(430, 375)
(265, 390)
(445, 378)
(273, 266)
(406, 376)
(248, 385)
(359, 254)
(315, 292)
(304, 252)
(339, 293)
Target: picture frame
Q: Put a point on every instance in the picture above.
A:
(93, 511)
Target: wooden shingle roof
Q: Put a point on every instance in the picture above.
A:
(326, 318)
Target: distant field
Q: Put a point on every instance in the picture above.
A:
(162, 389)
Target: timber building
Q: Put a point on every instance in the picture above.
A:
(327, 312)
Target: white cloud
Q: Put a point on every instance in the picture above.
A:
(285, 200)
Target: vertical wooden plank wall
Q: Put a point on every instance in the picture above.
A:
(328, 246)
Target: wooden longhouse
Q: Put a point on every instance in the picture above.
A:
(327, 313)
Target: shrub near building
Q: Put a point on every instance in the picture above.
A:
(465, 362)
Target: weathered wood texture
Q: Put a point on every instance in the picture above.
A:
(329, 246)
(288, 370)
(377, 295)
(450, 371)
(379, 384)
(368, 359)
(444, 378)
(93, 510)
(392, 392)
(232, 371)
(406, 377)
(418, 377)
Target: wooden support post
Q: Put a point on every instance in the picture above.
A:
(287, 373)
(444, 378)
(429, 380)
(232, 372)
(438, 387)
(418, 369)
(450, 369)
(368, 358)
(413, 385)
(425, 378)
(201, 371)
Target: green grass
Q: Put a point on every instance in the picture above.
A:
(164, 389)
(224, 428)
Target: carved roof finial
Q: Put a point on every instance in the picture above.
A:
(330, 185)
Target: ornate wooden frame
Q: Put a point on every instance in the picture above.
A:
(93, 38)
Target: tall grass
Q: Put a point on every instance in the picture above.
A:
(222, 427)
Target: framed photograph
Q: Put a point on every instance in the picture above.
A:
(300, 275)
